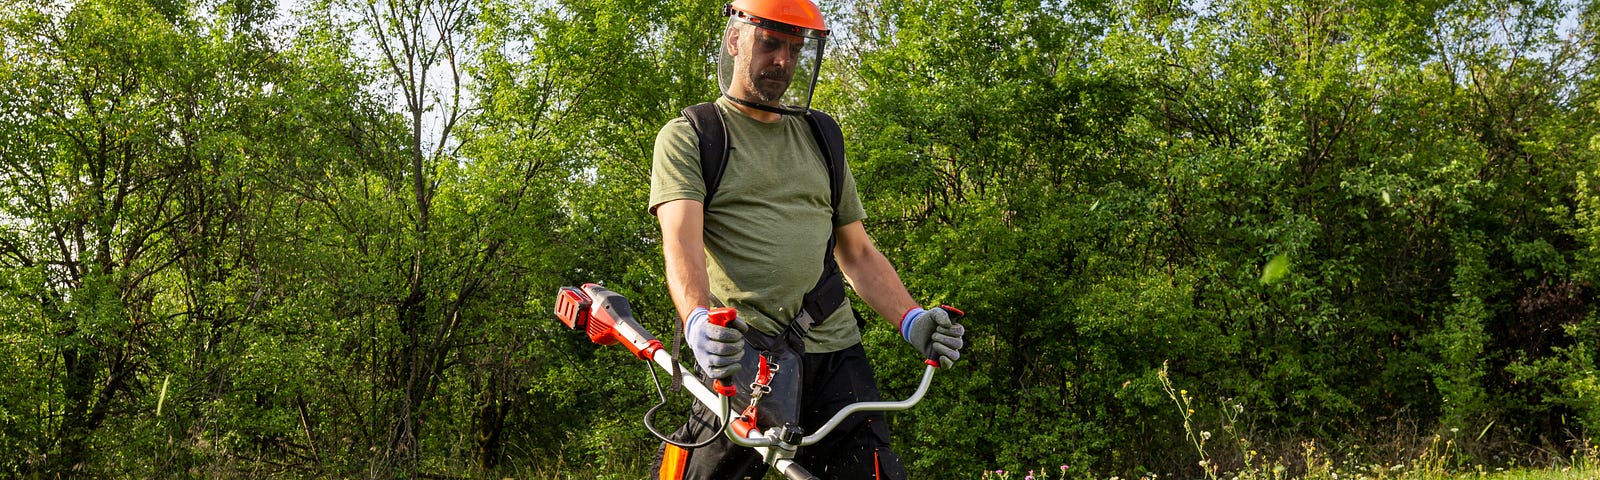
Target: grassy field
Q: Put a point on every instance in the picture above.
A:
(1431, 464)
(1583, 469)
(1375, 473)
(1564, 474)
(1438, 460)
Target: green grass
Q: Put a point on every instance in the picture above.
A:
(1427, 466)
(1370, 473)
(1564, 474)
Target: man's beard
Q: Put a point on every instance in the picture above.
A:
(769, 85)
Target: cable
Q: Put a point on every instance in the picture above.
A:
(726, 410)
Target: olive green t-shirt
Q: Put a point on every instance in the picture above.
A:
(767, 228)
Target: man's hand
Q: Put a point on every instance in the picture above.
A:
(717, 349)
(934, 334)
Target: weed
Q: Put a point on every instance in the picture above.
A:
(1443, 458)
(1197, 438)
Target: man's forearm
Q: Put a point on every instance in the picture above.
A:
(871, 274)
(875, 280)
(686, 278)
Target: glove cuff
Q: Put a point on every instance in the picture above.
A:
(696, 317)
(909, 318)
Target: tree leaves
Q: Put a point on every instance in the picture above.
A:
(226, 250)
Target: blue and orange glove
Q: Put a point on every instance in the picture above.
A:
(934, 333)
(717, 349)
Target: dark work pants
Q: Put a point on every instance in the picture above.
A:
(857, 449)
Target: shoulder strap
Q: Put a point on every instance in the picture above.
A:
(831, 140)
(828, 294)
(713, 141)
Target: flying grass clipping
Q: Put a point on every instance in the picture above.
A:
(1275, 269)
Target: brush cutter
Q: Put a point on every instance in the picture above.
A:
(607, 319)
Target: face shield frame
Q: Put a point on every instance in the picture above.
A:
(758, 82)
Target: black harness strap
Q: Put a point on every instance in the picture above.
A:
(830, 138)
(828, 293)
(712, 136)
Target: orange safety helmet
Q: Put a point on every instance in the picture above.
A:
(789, 14)
(771, 54)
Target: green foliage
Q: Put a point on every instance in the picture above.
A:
(1189, 145)
(238, 245)
(1460, 341)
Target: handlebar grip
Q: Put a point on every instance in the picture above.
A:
(728, 317)
(722, 316)
(796, 472)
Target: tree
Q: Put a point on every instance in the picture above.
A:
(123, 219)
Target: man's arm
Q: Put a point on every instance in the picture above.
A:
(931, 332)
(717, 349)
(683, 244)
(870, 273)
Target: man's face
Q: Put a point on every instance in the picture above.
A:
(765, 62)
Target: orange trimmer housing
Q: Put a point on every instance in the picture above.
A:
(606, 317)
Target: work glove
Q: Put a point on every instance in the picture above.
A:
(717, 349)
(934, 334)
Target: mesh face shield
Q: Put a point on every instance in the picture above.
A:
(769, 65)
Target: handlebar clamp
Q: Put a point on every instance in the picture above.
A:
(790, 434)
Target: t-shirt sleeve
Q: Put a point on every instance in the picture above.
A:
(850, 209)
(675, 166)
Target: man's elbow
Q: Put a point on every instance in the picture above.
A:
(858, 256)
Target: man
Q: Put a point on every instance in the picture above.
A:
(761, 244)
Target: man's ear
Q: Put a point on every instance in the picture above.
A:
(731, 42)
